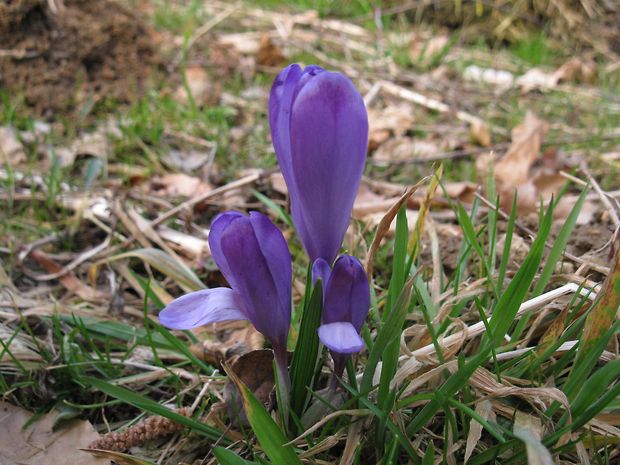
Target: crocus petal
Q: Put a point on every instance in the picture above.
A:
(341, 337)
(347, 293)
(219, 224)
(272, 244)
(283, 92)
(320, 270)
(252, 278)
(329, 136)
(201, 308)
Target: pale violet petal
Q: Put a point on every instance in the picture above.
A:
(341, 337)
(202, 307)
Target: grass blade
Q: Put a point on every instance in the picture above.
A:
(269, 435)
(149, 405)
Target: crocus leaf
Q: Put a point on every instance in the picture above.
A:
(270, 437)
(306, 352)
(228, 457)
(390, 330)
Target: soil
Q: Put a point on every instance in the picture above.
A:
(62, 54)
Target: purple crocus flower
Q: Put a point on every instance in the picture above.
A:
(346, 301)
(254, 258)
(319, 128)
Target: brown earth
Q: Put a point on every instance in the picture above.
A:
(62, 54)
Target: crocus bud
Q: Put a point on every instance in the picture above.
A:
(345, 307)
(319, 128)
(254, 258)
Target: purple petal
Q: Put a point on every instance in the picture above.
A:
(329, 137)
(218, 226)
(252, 277)
(320, 270)
(202, 307)
(347, 293)
(274, 247)
(283, 92)
(341, 338)
(280, 103)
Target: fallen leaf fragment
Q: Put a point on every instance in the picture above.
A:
(179, 185)
(425, 50)
(484, 409)
(11, 149)
(529, 430)
(513, 169)
(394, 119)
(226, 341)
(255, 370)
(536, 79)
(480, 133)
(501, 79)
(268, 53)
(405, 148)
(203, 90)
(68, 280)
(42, 444)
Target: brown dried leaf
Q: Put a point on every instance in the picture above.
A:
(480, 133)
(203, 90)
(68, 280)
(575, 68)
(179, 185)
(255, 370)
(530, 431)
(392, 120)
(226, 340)
(425, 50)
(386, 221)
(41, 443)
(513, 169)
(11, 149)
(484, 409)
(269, 54)
(405, 148)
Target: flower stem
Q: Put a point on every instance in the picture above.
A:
(339, 363)
(283, 383)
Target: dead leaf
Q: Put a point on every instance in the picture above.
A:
(523, 169)
(179, 185)
(513, 169)
(187, 160)
(17, 346)
(503, 80)
(269, 54)
(405, 148)
(41, 443)
(68, 280)
(536, 79)
(425, 50)
(203, 90)
(94, 144)
(394, 119)
(190, 245)
(277, 183)
(484, 409)
(480, 133)
(246, 43)
(529, 430)
(255, 370)
(11, 149)
(226, 340)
